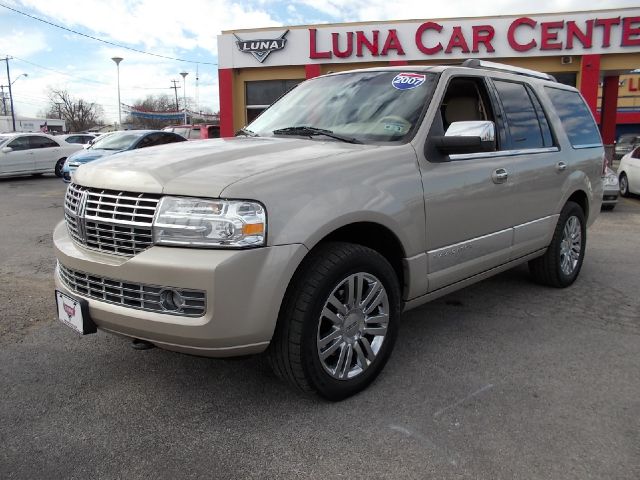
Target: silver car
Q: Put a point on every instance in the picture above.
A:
(355, 197)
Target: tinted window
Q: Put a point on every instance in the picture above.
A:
(42, 142)
(170, 138)
(265, 92)
(575, 117)
(522, 120)
(547, 138)
(20, 143)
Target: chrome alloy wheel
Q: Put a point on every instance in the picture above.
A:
(352, 326)
(571, 245)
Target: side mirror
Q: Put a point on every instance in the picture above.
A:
(468, 137)
(7, 149)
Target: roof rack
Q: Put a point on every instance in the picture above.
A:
(475, 63)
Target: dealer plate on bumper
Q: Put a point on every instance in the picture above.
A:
(74, 313)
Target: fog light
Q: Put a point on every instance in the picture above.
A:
(171, 300)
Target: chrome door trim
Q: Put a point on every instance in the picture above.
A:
(502, 153)
(469, 250)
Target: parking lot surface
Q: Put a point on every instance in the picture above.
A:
(504, 379)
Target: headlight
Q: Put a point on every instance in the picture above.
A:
(210, 223)
(611, 181)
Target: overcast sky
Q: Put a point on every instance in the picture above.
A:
(54, 58)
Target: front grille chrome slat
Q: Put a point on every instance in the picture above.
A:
(118, 223)
(133, 295)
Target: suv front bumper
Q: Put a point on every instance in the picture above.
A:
(243, 289)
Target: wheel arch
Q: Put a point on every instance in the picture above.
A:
(580, 197)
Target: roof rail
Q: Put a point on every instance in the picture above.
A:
(476, 63)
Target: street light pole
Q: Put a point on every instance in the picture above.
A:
(118, 60)
(184, 94)
(13, 114)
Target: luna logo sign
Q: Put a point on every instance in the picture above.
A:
(261, 48)
(407, 81)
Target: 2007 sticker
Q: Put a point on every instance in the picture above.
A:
(407, 81)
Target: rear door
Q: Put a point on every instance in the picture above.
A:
(20, 159)
(535, 169)
(46, 153)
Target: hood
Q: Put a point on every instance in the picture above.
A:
(204, 167)
(89, 155)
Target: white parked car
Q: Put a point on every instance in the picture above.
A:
(79, 138)
(33, 154)
(629, 173)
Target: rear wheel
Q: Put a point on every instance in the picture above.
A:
(560, 265)
(58, 167)
(624, 185)
(338, 323)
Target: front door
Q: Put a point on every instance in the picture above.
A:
(19, 160)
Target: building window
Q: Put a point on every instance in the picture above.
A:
(262, 93)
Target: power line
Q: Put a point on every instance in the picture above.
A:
(102, 40)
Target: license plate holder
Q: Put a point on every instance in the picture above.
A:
(74, 313)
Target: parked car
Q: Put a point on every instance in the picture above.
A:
(626, 143)
(629, 173)
(33, 153)
(115, 142)
(611, 190)
(78, 138)
(195, 132)
(356, 196)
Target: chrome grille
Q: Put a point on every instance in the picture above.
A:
(133, 295)
(110, 221)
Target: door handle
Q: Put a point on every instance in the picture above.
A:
(500, 175)
(561, 166)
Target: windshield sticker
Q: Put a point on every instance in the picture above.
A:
(407, 81)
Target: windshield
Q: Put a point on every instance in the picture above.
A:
(117, 141)
(366, 106)
(627, 138)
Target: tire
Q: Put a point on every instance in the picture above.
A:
(560, 265)
(624, 185)
(326, 344)
(58, 168)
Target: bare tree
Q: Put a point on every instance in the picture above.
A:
(79, 114)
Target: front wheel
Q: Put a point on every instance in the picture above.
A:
(624, 185)
(339, 321)
(560, 265)
(58, 168)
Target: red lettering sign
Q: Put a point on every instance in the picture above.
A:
(419, 35)
(392, 43)
(630, 33)
(335, 38)
(549, 35)
(363, 41)
(573, 31)
(606, 24)
(313, 53)
(483, 34)
(511, 34)
(457, 40)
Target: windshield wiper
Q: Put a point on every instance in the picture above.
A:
(311, 131)
(246, 132)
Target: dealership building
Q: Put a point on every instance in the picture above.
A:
(596, 51)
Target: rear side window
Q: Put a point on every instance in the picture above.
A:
(575, 117)
(522, 119)
(42, 142)
(194, 133)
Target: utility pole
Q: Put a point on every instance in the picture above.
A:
(4, 104)
(13, 115)
(175, 90)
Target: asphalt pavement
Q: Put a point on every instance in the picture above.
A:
(502, 380)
